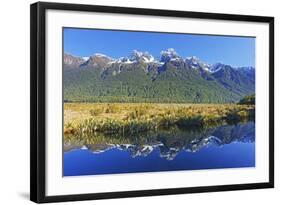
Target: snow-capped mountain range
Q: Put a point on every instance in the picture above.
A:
(145, 57)
(166, 78)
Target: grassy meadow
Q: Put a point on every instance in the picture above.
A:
(130, 118)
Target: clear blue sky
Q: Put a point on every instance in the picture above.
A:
(236, 51)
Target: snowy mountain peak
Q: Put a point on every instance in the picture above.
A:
(216, 67)
(100, 55)
(138, 56)
(97, 59)
(193, 58)
(195, 62)
(86, 58)
(168, 55)
(123, 60)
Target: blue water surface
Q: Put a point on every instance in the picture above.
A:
(210, 152)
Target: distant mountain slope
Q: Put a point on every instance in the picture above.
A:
(142, 78)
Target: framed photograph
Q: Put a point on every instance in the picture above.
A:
(129, 102)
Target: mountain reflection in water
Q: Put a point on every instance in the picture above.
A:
(171, 142)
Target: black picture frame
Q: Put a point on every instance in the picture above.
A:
(38, 101)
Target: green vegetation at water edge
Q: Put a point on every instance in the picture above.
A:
(133, 118)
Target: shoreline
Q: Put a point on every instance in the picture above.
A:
(133, 118)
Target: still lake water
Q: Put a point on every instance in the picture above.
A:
(226, 146)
